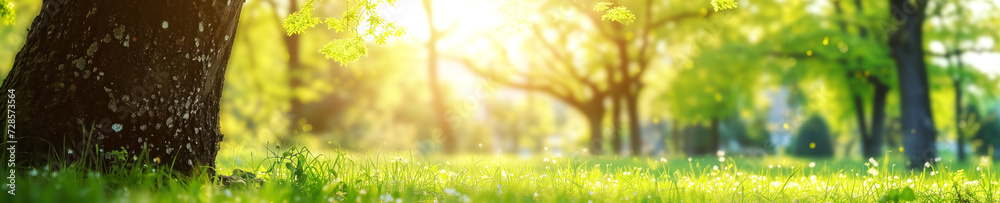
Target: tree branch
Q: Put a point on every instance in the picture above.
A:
(569, 98)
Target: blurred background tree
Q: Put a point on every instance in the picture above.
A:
(671, 78)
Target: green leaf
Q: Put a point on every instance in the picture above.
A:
(719, 5)
(619, 14)
(907, 194)
(338, 25)
(602, 6)
(345, 50)
(298, 22)
(352, 47)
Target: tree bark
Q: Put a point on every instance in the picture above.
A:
(97, 76)
(295, 116)
(675, 133)
(906, 45)
(960, 136)
(594, 119)
(873, 143)
(632, 102)
(714, 145)
(859, 111)
(616, 122)
(958, 121)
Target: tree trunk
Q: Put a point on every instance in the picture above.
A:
(958, 121)
(906, 45)
(634, 131)
(873, 143)
(960, 136)
(859, 110)
(437, 97)
(616, 123)
(714, 146)
(675, 133)
(105, 75)
(594, 119)
(295, 117)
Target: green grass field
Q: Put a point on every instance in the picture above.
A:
(298, 175)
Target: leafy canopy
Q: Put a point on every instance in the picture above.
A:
(7, 12)
(618, 14)
(352, 47)
(719, 5)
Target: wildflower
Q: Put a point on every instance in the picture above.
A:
(812, 164)
(927, 164)
(873, 171)
(722, 159)
(689, 159)
(664, 160)
(720, 153)
(480, 145)
(872, 160)
(386, 197)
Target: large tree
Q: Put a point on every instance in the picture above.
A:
(437, 96)
(581, 90)
(958, 31)
(97, 76)
(634, 46)
(852, 61)
(907, 48)
(622, 49)
(866, 69)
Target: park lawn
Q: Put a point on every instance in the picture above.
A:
(332, 176)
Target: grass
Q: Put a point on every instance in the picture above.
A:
(300, 175)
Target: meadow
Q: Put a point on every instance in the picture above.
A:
(301, 175)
